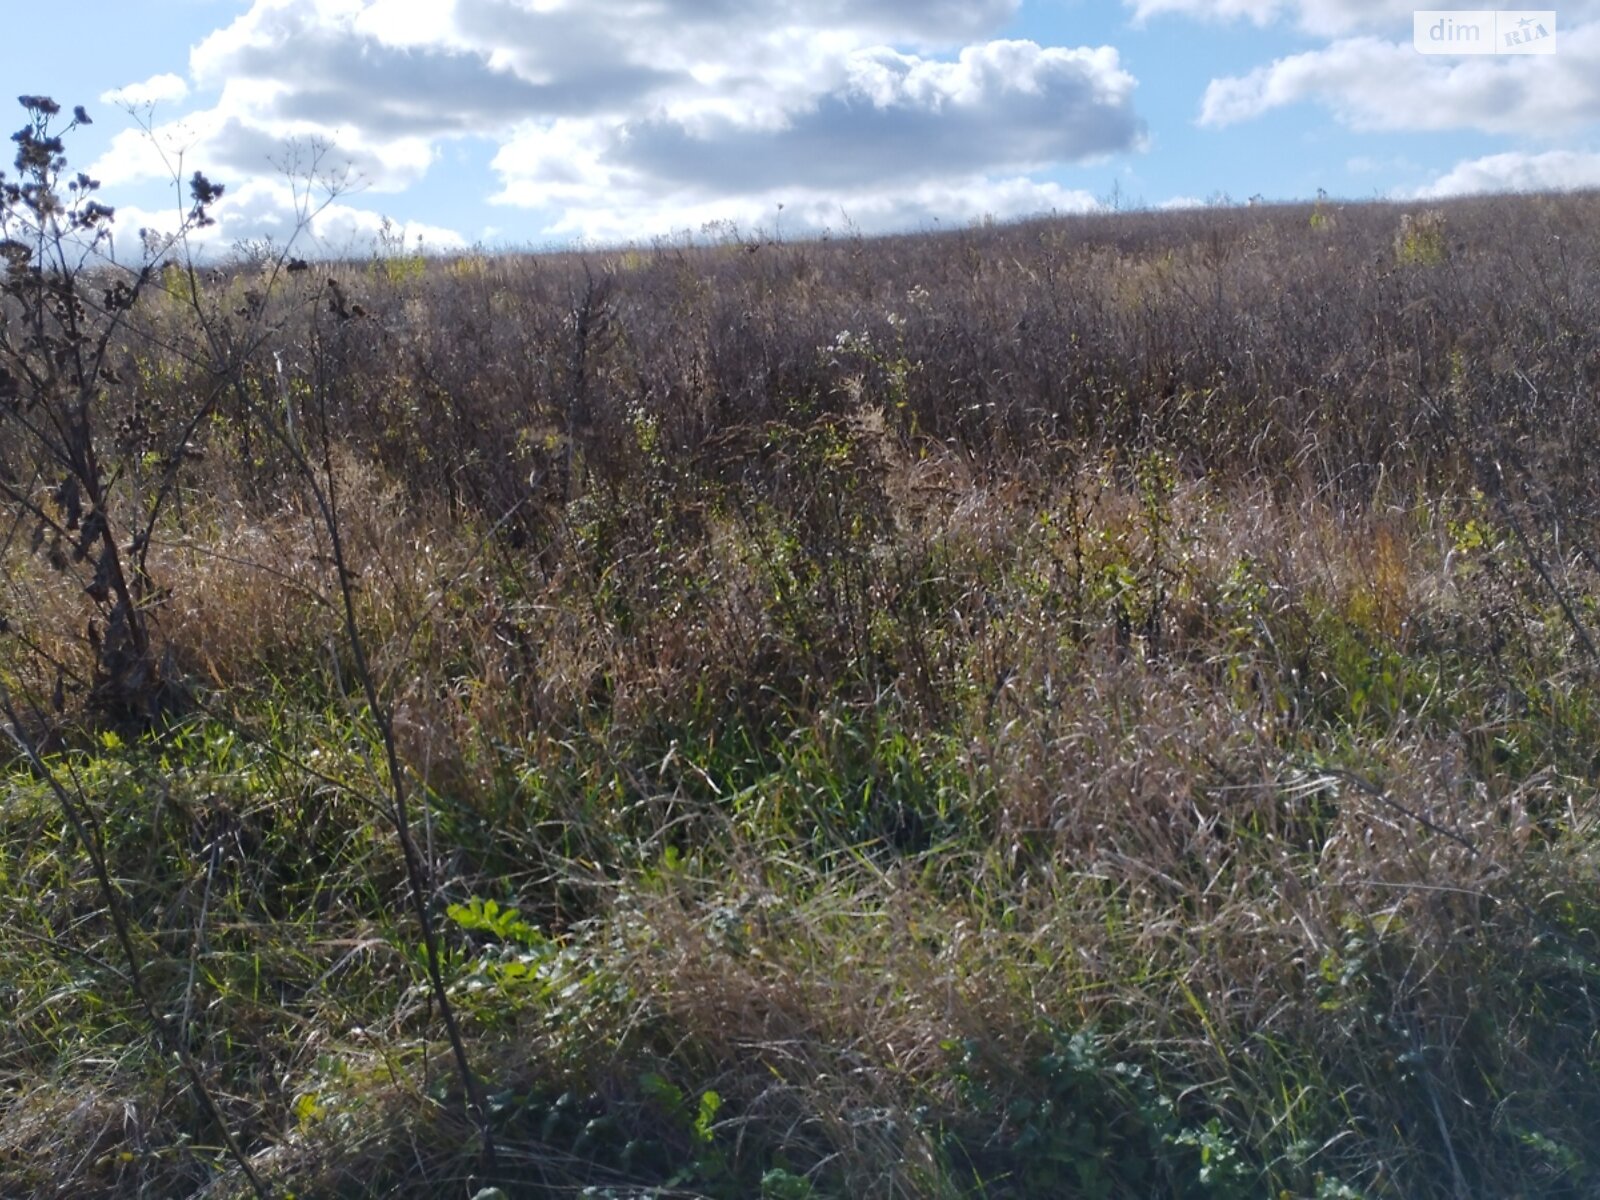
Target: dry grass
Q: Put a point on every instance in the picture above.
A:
(1105, 724)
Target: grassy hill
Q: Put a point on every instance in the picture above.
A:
(1103, 706)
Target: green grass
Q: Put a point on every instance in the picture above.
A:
(1109, 914)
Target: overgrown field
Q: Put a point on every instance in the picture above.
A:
(1102, 707)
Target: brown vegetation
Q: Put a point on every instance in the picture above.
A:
(1098, 706)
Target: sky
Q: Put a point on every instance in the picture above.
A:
(559, 123)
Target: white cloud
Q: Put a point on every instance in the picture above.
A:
(1373, 84)
(358, 230)
(1328, 18)
(1260, 12)
(155, 90)
(897, 117)
(946, 203)
(1518, 171)
(962, 134)
(612, 115)
(228, 141)
(262, 209)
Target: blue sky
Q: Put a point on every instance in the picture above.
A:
(555, 122)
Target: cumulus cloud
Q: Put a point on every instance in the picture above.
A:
(928, 22)
(155, 90)
(266, 210)
(1329, 18)
(1373, 84)
(365, 69)
(961, 133)
(1371, 77)
(601, 108)
(480, 66)
(1518, 171)
(944, 203)
(896, 117)
(237, 151)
